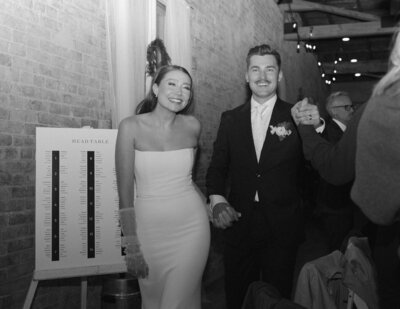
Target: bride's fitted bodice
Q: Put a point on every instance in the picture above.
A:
(172, 227)
(160, 174)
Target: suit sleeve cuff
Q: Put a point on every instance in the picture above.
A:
(215, 199)
(321, 128)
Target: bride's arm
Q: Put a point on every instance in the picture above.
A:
(204, 199)
(202, 196)
(124, 165)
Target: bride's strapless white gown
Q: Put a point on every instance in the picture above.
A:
(173, 229)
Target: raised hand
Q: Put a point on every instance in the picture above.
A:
(303, 112)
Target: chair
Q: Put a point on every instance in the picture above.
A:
(339, 280)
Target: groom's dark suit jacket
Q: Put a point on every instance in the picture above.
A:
(234, 169)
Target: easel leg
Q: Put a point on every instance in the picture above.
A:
(31, 294)
(83, 292)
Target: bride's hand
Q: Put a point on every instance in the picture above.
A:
(137, 265)
(134, 259)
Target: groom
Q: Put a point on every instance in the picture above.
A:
(257, 158)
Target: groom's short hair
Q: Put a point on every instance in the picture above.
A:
(261, 50)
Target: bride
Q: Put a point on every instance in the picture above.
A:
(164, 223)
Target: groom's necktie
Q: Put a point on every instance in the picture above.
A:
(260, 121)
(260, 126)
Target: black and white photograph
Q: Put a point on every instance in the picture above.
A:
(200, 154)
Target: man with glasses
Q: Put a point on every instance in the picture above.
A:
(340, 108)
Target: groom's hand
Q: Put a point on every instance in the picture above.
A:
(224, 215)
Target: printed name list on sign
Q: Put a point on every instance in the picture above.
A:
(76, 199)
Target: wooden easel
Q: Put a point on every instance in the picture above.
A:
(82, 272)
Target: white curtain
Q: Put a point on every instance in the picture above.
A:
(131, 27)
(177, 33)
(128, 33)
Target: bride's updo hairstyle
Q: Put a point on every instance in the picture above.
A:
(150, 101)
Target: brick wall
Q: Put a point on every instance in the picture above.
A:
(53, 72)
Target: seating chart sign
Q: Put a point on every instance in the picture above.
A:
(76, 199)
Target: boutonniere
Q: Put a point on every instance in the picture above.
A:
(281, 130)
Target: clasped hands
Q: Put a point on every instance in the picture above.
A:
(306, 113)
(223, 215)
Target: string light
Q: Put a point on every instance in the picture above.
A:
(296, 28)
(312, 48)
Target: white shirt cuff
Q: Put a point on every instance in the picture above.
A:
(321, 128)
(215, 199)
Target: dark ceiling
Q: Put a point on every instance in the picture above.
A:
(369, 24)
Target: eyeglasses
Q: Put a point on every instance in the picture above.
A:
(346, 107)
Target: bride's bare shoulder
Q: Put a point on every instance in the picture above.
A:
(133, 122)
(191, 123)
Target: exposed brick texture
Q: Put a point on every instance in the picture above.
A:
(53, 72)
